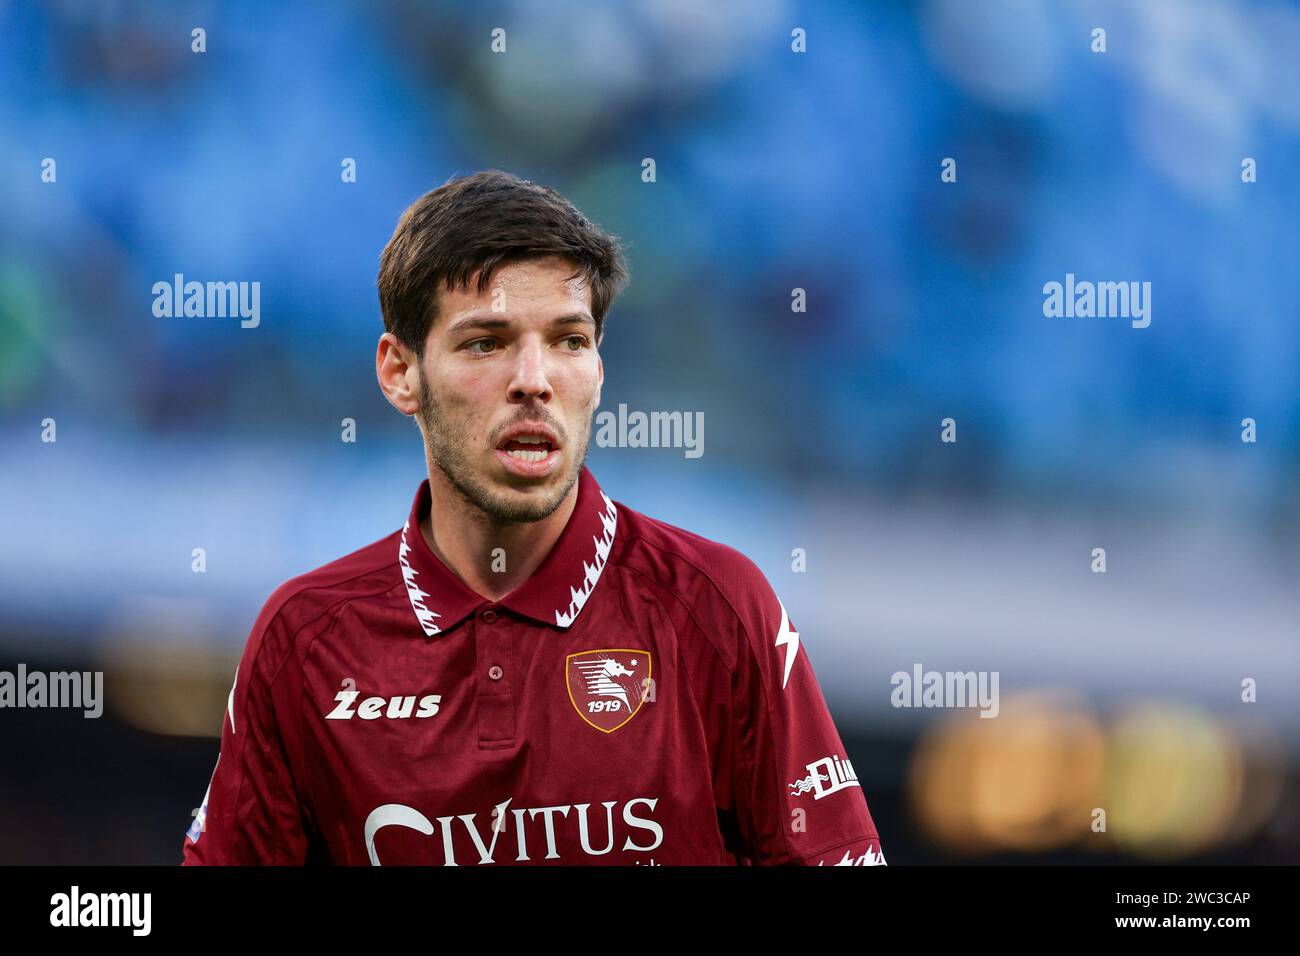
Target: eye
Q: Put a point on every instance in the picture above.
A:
(482, 346)
(575, 342)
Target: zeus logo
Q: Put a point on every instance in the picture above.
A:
(372, 708)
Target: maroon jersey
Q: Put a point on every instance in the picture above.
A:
(643, 698)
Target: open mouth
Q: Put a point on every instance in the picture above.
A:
(529, 452)
(528, 448)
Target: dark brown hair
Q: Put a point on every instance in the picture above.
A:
(476, 224)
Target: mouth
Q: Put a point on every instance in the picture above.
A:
(530, 451)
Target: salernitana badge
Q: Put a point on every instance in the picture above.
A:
(607, 687)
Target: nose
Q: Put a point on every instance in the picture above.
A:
(529, 381)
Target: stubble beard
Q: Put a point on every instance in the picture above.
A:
(447, 445)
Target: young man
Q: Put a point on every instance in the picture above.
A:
(526, 672)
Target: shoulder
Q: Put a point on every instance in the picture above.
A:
(722, 587)
(302, 601)
(676, 555)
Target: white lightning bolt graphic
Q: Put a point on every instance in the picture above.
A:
(787, 637)
(230, 702)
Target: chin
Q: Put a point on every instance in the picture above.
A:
(512, 498)
(524, 508)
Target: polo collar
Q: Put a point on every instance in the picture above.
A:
(555, 594)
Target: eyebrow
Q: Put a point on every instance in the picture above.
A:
(492, 322)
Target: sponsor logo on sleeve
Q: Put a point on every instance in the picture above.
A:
(838, 774)
(201, 814)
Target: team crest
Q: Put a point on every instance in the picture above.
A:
(607, 687)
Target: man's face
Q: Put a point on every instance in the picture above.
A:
(508, 385)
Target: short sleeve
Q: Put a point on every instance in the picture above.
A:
(798, 798)
(251, 813)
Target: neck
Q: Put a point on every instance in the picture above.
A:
(466, 540)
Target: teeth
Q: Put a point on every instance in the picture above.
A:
(530, 439)
(527, 455)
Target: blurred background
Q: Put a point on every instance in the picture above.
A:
(775, 170)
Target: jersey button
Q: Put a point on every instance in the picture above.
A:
(489, 616)
(495, 672)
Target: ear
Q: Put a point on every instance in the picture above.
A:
(600, 380)
(398, 372)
